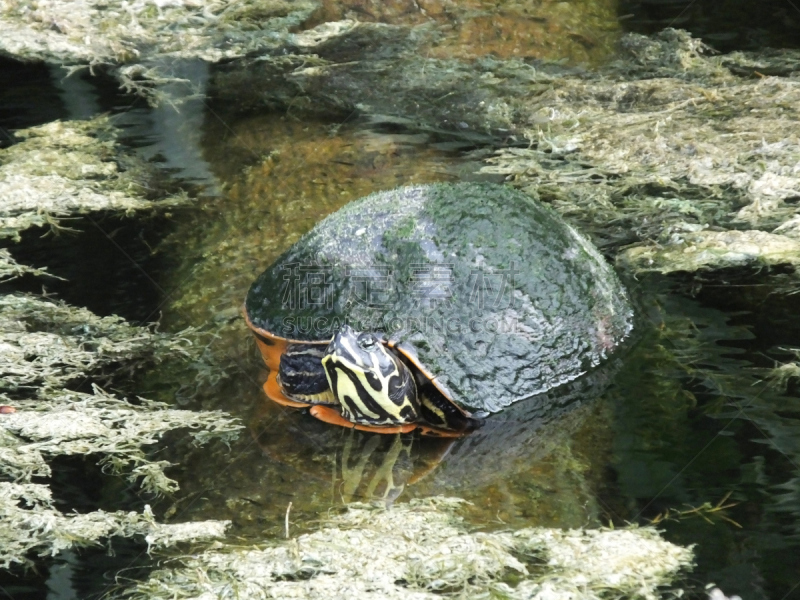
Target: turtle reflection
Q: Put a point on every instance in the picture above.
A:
(362, 466)
(359, 466)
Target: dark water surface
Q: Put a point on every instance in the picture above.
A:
(725, 25)
(688, 419)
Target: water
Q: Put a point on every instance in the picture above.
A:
(684, 418)
(726, 25)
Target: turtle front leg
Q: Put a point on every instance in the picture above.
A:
(300, 381)
(273, 390)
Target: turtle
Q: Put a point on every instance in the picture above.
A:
(430, 307)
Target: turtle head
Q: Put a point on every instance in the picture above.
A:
(370, 382)
(360, 352)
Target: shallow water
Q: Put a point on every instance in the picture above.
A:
(684, 417)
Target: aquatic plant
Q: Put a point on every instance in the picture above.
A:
(425, 551)
(67, 168)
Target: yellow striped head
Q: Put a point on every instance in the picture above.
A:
(370, 382)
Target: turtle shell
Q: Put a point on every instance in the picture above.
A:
(493, 294)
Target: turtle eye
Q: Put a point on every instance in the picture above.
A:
(367, 341)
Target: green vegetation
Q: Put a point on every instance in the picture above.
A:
(424, 551)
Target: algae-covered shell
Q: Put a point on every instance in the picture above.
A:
(498, 298)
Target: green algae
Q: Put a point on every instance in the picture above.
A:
(49, 343)
(129, 37)
(58, 170)
(69, 168)
(667, 136)
(132, 38)
(425, 552)
(30, 524)
(714, 250)
(66, 423)
(582, 32)
(45, 346)
(669, 142)
(11, 269)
